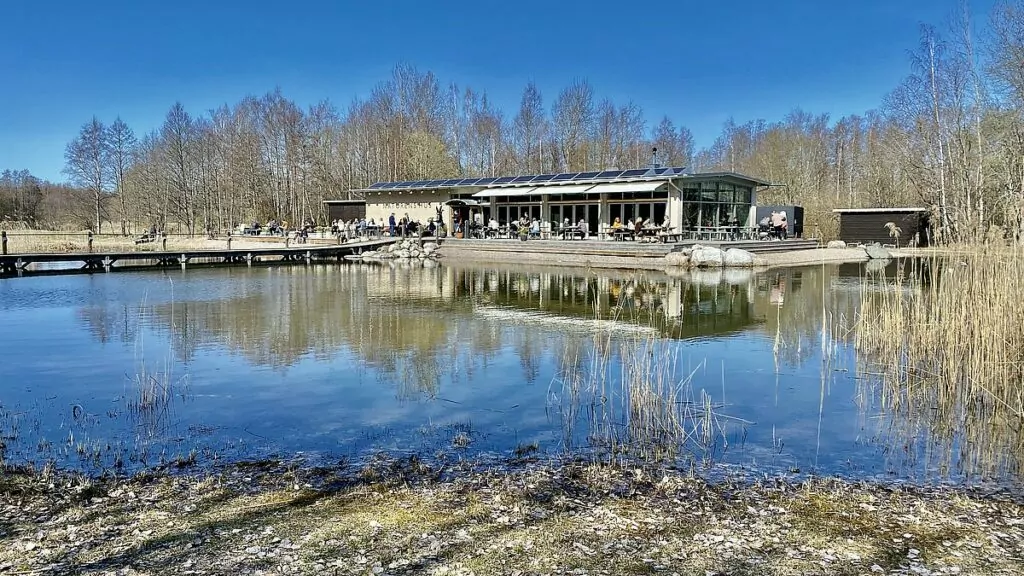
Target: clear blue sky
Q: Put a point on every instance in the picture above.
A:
(62, 61)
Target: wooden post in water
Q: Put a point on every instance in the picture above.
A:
(3, 241)
(286, 240)
(89, 241)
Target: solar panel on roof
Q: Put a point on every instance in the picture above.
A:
(544, 177)
(450, 182)
(392, 185)
(432, 183)
(661, 171)
(609, 174)
(566, 176)
(585, 175)
(484, 181)
(469, 181)
(504, 180)
(634, 173)
(523, 178)
(378, 185)
(417, 183)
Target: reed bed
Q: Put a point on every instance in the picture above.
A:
(637, 401)
(944, 343)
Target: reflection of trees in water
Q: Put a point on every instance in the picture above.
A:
(415, 325)
(108, 322)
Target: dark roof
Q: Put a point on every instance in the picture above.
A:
(596, 176)
(877, 210)
(734, 176)
(344, 201)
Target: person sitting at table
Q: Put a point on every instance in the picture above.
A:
(617, 224)
(666, 224)
(535, 228)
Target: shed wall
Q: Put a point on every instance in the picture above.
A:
(869, 227)
(346, 211)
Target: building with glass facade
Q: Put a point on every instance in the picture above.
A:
(688, 200)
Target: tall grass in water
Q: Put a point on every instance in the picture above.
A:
(635, 399)
(945, 340)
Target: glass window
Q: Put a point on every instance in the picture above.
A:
(615, 212)
(659, 213)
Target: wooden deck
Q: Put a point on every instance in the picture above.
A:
(19, 264)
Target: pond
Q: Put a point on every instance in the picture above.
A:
(711, 370)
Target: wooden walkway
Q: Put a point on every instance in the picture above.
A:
(19, 264)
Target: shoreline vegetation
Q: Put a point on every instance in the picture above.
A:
(405, 517)
(942, 363)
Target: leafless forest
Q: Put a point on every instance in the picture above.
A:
(950, 137)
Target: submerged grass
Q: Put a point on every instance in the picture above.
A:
(944, 341)
(632, 393)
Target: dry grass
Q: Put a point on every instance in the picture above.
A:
(945, 340)
(636, 400)
(565, 520)
(47, 242)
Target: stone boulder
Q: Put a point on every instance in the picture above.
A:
(369, 255)
(392, 247)
(836, 244)
(431, 246)
(403, 253)
(677, 259)
(706, 257)
(736, 258)
(877, 252)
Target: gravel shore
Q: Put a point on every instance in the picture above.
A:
(401, 517)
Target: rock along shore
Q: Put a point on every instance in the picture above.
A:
(403, 517)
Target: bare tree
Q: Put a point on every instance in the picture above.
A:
(85, 163)
(122, 144)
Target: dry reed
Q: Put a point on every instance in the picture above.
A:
(944, 340)
(634, 396)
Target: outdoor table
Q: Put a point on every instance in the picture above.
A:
(620, 234)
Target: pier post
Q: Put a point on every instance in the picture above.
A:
(229, 240)
(163, 243)
(89, 242)
(309, 256)
(286, 241)
(3, 241)
(248, 259)
(184, 258)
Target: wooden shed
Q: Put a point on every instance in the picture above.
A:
(345, 210)
(868, 225)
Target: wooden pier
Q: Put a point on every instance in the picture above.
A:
(18, 264)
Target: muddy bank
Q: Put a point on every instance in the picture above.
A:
(404, 518)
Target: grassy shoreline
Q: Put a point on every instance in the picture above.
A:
(402, 517)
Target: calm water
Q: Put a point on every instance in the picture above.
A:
(338, 362)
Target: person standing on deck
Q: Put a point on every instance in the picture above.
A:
(391, 224)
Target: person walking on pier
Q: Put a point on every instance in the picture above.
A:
(391, 224)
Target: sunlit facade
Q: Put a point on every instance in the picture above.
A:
(687, 200)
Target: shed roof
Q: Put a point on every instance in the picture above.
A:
(877, 210)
